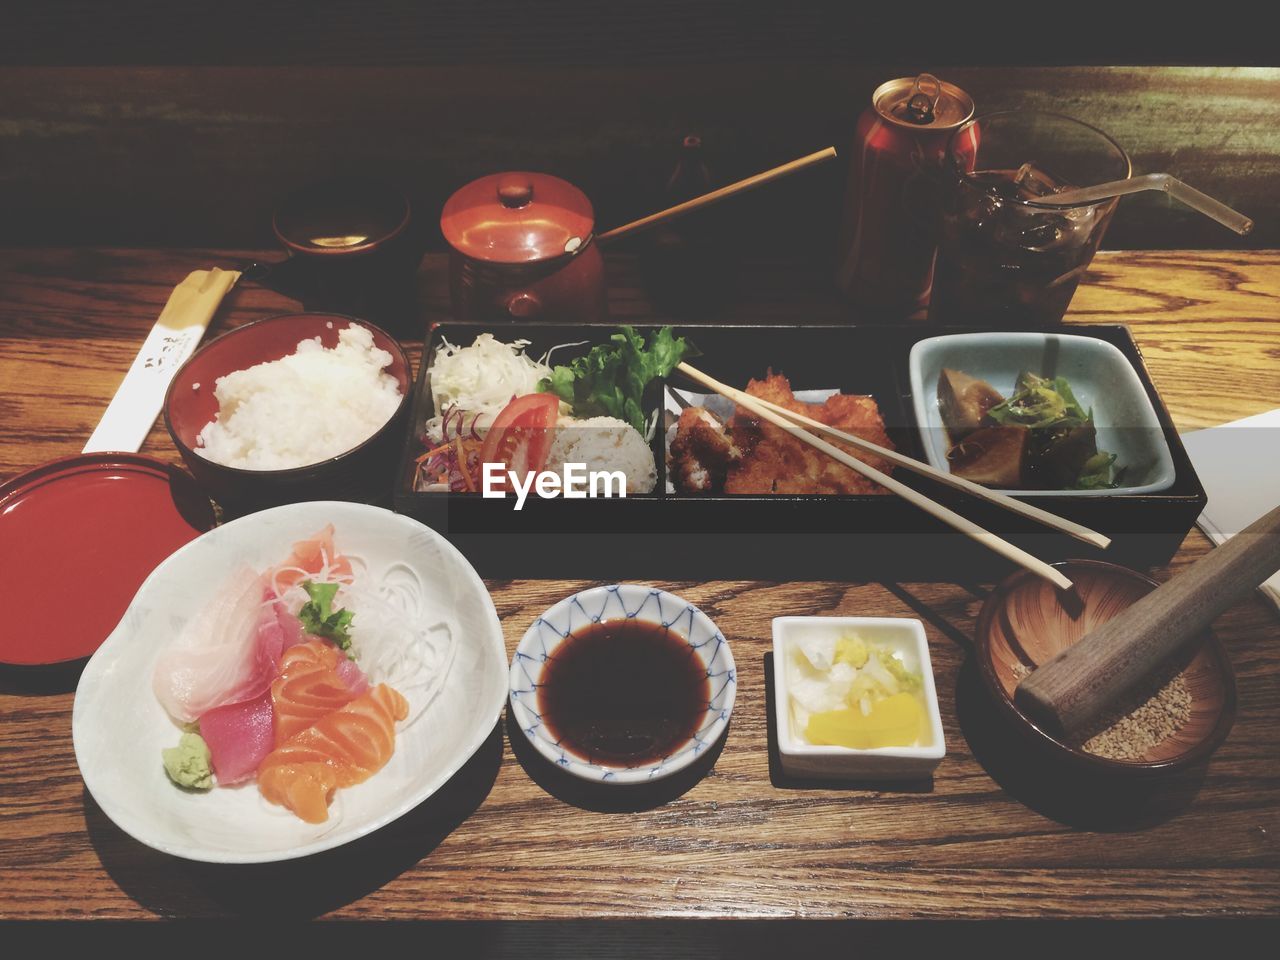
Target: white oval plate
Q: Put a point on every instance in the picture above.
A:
(119, 727)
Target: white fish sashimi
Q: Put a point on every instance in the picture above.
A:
(217, 659)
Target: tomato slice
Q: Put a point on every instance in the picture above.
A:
(521, 436)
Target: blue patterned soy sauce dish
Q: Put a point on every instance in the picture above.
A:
(647, 676)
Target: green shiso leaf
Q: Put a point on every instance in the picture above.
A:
(320, 619)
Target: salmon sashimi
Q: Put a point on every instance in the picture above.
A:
(340, 749)
(310, 558)
(315, 680)
(304, 788)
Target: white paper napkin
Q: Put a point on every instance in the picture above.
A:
(1239, 465)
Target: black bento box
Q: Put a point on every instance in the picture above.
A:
(876, 537)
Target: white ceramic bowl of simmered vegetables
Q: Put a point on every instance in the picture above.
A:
(854, 698)
(1057, 414)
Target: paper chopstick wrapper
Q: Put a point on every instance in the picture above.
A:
(175, 336)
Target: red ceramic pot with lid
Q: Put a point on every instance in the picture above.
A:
(523, 249)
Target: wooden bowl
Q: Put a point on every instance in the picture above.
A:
(1024, 623)
(341, 218)
(363, 473)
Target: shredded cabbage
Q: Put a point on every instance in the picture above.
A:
(481, 379)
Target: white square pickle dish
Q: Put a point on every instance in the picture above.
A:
(800, 758)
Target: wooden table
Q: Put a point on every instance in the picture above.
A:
(995, 836)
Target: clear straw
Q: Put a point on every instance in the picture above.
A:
(1192, 197)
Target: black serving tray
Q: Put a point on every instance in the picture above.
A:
(678, 536)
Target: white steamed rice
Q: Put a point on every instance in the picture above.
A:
(309, 406)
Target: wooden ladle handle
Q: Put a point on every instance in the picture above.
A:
(1080, 686)
(715, 196)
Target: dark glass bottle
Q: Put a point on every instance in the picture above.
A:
(684, 261)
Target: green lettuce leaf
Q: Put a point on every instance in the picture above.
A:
(610, 380)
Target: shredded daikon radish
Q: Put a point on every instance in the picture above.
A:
(394, 639)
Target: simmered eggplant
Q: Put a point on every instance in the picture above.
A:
(992, 455)
(1040, 438)
(1056, 461)
(964, 401)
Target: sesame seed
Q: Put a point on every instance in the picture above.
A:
(1129, 736)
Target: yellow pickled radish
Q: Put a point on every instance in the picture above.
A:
(893, 722)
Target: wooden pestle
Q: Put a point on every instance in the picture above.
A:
(1084, 683)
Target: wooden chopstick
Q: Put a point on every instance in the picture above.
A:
(680, 209)
(1069, 527)
(947, 516)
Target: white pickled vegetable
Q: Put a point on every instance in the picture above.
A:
(820, 650)
(827, 673)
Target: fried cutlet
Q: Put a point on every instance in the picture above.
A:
(701, 452)
(775, 462)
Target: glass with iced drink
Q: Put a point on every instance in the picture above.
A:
(1005, 260)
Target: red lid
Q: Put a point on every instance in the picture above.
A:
(517, 217)
(77, 538)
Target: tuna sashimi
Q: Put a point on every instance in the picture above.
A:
(278, 630)
(310, 686)
(240, 736)
(228, 652)
(341, 749)
(314, 557)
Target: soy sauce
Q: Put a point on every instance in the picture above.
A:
(623, 692)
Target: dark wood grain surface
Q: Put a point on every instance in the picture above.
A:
(139, 153)
(364, 32)
(994, 835)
